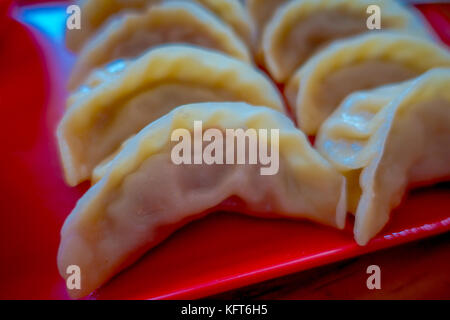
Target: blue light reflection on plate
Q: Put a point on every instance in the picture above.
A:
(48, 23)
(48, 19)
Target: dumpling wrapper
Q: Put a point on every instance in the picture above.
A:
(386, 141)
(96, 14)
(301, 27)
(261, 11)
(144, 196)
(359, 63)
(102, 117)
(169, 22)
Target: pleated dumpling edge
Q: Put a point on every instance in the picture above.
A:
(168, 22)
(388, 140)
(101, 117)
(300, 28)
(358, 63)
(144, 192)
(98, 13)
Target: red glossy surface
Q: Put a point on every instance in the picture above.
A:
(221, 252)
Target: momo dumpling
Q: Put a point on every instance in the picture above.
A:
(96, 14)
(386, 141)
(169, 22)
(302, 27)
(102, 116)
(145, 194)
(359, 63)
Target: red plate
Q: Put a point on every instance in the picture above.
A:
(221, 252)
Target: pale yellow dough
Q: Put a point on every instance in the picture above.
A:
(387, 139)
(301, 27)
(116, 105)
(358, 63)
(261, 11)
(121, 216)
(169, 22)
(96, 14)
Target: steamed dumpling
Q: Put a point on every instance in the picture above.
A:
(96, 14)
(144, 196)
(169, 22)
(387, 140)
(117, 106)
(301, 27)
(359, 63)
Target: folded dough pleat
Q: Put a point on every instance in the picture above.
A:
(169, 22)
(261, 11)
(101, 117)
(144, 196)
(387, 140)
(302, 27)
(359, 63)
(96, 14)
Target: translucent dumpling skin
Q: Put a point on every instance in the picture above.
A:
(144, 195)
(301, 28)
(114, 106)
(169, 22)
(386, 141)
(98, 14)
(359, 63)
